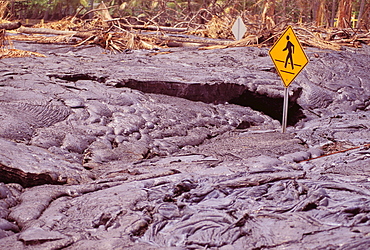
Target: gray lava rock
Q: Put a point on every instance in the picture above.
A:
(30, 165)
(39, 234)
(135, 151)
(8, 226)
(20, 119)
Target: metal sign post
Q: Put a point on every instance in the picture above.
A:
(285, 109)
(289, 59)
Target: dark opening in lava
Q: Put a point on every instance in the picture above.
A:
(272, 107)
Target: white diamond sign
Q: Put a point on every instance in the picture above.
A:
(239, 28)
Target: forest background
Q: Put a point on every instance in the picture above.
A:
(182, 13)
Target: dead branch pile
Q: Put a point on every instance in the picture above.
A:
(119, 34)
(7, 50)
(12, 53)
(6, 46)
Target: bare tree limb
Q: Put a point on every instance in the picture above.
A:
(10, 26)
(45, 31)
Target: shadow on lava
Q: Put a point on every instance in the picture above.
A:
(272, 107)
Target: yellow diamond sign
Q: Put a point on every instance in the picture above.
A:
(288, 56)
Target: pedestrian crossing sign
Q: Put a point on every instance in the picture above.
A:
(288, 56)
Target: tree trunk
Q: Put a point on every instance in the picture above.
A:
(360, 13)
(91, 7)
(344, 13)
(268, 13)
(284, 9)
(301, 10)
(12, 9)
(91, 4)
(333, 11)
(366, 16)
(320, 14)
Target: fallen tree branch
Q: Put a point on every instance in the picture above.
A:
(10, 26)
(128, 38)
(47, 31)
(337, 152)
(151, 27)
(200, 40)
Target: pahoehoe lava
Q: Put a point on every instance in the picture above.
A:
(271, 106)
(169, 151)
(78, 77)
(221, 93)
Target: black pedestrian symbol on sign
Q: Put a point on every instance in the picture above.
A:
(288, 50)
(290, 47)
